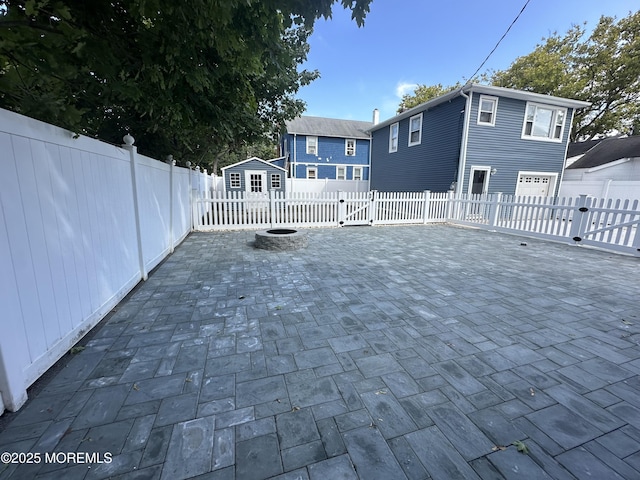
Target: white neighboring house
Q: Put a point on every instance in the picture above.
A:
(607, 168)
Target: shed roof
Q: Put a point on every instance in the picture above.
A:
(253, 159)
(609, 150)
(329, 127)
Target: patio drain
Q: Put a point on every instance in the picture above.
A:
(281, 239)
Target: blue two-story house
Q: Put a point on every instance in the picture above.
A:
(325, 148)
(476, 139)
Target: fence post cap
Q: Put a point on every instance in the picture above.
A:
(128, 140)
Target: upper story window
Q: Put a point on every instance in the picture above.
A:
(393, 137)
(312, 145)
(341, 173)
(350, 147)
(234, 180)
(275, 180)
(415, 130)
(487, 110)
(357, 173)
(543, 122)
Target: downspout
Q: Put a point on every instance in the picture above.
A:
(295, 159)
(462, 161)
(566, 149)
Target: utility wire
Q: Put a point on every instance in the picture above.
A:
(499, 41)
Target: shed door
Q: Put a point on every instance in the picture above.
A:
(533, 185)
(256, 181)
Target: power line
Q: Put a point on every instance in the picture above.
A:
(500, 41)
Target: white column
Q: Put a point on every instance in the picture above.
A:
(128, 145)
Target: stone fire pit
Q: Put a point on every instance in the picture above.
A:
(281, 239)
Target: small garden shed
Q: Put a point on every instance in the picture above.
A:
(254, 175)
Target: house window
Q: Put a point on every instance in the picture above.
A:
(275, 180)
(487, 110)
(542, 122)
(393, 137)
(312, 173)
(350, 147)
(312, 145)
(357, 173)
(341, 173)
(415, 130)
(234, 180)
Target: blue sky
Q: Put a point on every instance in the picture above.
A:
(406, 42)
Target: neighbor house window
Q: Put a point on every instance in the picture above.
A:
(543, 122)
(312, 173)
(275, 180)
(312, 145)
(487, 110)
(350, 147)
(393, 137)
(234, 180)
(415, 130)
(341, 173)
(357, 173)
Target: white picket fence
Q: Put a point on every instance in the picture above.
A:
(240, 210)
(604, 223)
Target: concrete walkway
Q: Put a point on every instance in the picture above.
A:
(375, 353)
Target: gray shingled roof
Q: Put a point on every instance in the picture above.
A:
(609, 150)
(329, 127)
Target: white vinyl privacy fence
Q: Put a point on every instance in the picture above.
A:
(81, 223)
(610, 224)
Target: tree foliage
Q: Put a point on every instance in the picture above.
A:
(602, 68)
(194, 79)
(424, 93)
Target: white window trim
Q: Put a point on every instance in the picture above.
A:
(279, 179)
(312, 169)
(346, 147)
(494, 110)
(358, 169)
(231, 176)
(316, 145)
(419, 141)
(397, 127)
(344, 172)
(553, 123)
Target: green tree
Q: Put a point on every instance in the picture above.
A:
(194, 79)
(602, 68)
(424, 93)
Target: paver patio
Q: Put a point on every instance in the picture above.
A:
(375, 353)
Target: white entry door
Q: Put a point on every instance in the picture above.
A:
(479, 180)
(535, 184)
(256, 181)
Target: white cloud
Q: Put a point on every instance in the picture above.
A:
(402, 88)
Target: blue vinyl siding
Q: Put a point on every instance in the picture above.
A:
(432, 165)
(331, 152)
(501, 146)
(253, 165)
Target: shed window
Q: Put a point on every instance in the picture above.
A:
(415, 130)
(341, 173)
(275, 180)
(487, 110)
(350, 147)
(312, 173)
(543, 122)
(393, 138)
(357, 173)
(234, 180)
(312, 145)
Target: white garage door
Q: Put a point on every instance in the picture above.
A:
(534, 184)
